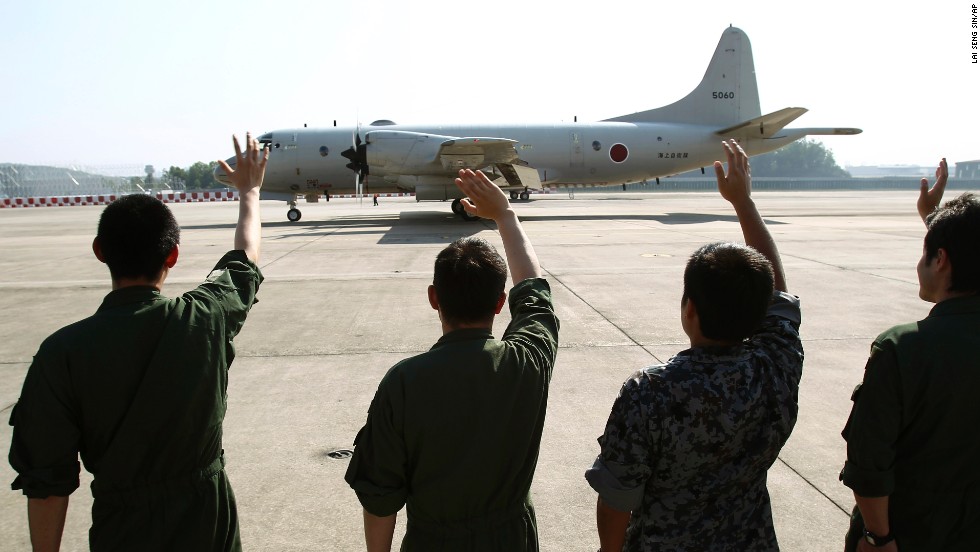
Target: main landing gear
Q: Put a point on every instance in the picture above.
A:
(458, 208)
(293, 214)
(523, 195)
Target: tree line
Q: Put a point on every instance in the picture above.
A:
(199, 176)
(803, 158)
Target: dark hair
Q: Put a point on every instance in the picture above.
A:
(469, 277)
(136, 233)
(955, 227)
(731, 286)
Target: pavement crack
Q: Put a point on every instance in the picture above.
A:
(595, 310)
(811, 484)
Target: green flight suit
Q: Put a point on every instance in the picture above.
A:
(139, 390)
(454, 433)
(912, 432)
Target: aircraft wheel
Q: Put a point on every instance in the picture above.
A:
(513, 195)
(525, 196)
(294, 215)
(457, 207)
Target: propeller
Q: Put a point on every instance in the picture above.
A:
(357, 154)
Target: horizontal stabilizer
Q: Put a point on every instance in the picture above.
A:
(520, 175)
(831, 131)
(765, 126)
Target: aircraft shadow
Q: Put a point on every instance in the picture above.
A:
(439, 227)
(663, 218)
(420, 227)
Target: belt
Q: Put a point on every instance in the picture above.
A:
(180, 483)
(458, 528)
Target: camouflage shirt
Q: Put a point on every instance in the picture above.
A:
(688, 443)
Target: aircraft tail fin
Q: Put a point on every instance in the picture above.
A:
(728, 93)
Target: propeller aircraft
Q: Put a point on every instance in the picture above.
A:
(385, 157)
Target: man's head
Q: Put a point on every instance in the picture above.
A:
(469, 282)
(137, 237)
(953, 239)
(730, 286)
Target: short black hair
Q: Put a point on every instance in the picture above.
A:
(136, 233)
(469, 277)
(955, 227)
(731, 286)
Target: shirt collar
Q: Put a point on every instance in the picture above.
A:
(463, 335)
(957, 305)
(712, 355)
(130, 294)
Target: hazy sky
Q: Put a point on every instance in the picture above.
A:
(104, 83)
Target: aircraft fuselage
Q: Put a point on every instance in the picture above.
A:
(309, 160)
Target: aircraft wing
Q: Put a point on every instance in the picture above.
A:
(459, 153)
(475, 152)
(765, 126)
(398, 152)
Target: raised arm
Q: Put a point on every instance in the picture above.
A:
(929, 199)
(736, 188)
(247, 178)
(485, 199)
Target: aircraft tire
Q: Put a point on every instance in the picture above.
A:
(457, 207)
(294, 215)
(525, 196)
(513, 195)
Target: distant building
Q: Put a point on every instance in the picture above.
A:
(877, 171)
(968, 170)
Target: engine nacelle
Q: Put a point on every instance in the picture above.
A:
(403, 152)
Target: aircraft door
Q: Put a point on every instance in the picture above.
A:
(576, 154)
(285, 147)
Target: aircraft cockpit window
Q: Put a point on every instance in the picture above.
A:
(596, 145)
(265, 138)
(324, 151)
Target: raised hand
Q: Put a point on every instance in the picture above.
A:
(736, 185)
(929, 199)
(249, 168)
(483, 198)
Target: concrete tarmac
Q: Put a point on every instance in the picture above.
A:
(345, 298)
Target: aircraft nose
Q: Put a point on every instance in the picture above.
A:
(219, 173)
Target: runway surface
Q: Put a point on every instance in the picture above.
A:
(345, 298)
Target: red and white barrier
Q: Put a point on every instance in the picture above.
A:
(166, 197)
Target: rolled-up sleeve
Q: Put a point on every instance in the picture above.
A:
(620, 472)
(873, 427)
(378, 470)
(45, 443)
(234, 283)
(534, 325)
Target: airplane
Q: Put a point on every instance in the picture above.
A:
(385, 157)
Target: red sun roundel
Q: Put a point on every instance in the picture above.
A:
(618, 153)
